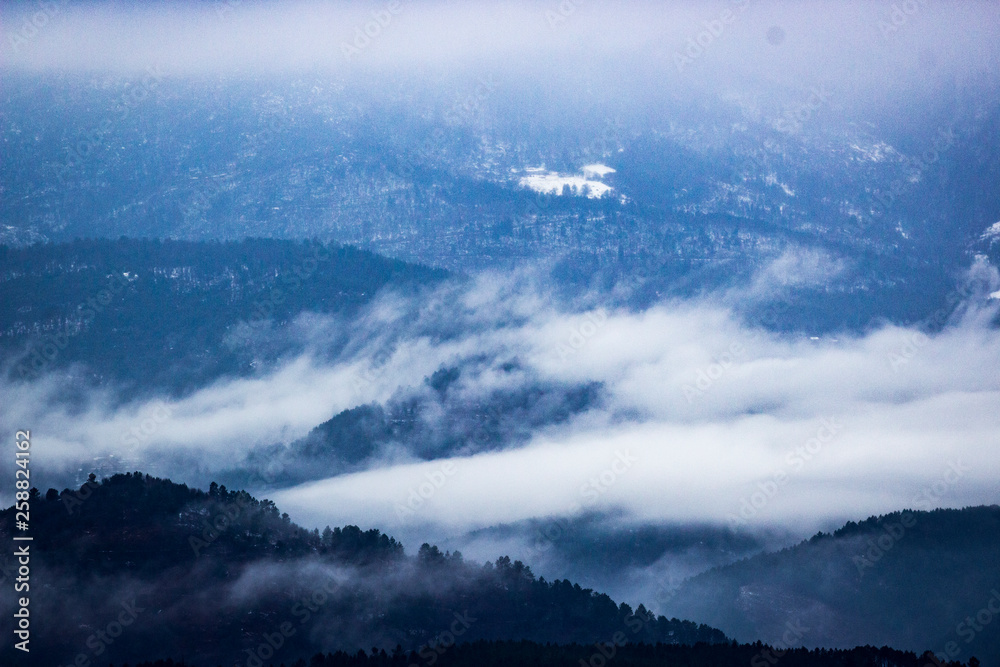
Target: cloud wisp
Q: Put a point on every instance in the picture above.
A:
(703, 418)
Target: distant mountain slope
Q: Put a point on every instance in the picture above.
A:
(705, 193)
(911, 579)
(175, 314)
(209, 576)
(433, 420)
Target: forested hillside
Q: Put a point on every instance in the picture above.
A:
(152, 314)
(911, 579)
(504, 654)
(208, 576)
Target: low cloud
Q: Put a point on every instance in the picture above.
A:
(701, 416)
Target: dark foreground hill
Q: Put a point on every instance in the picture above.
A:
(504, 654)
(153, 315)
(912, 579)
(138, 568)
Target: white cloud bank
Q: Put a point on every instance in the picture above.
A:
(703, 416)
(775, 432)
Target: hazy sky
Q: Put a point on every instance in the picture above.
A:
(860, 45)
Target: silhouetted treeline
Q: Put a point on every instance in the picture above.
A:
(913, 579)
(531, 654)
(170, 524)
(220, 575)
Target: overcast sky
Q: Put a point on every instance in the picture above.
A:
(866, 47)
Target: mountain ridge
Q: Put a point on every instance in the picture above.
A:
(187, 557)
(905, 578)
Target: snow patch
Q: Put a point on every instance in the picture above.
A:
(992, 232)
(550, 182)
(877, 152)
(597, 170)
(772, 179)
